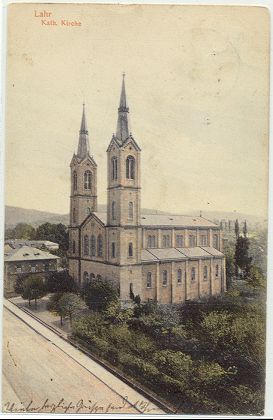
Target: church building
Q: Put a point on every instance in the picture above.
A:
(166, 258)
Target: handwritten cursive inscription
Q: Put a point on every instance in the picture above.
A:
(81, 406)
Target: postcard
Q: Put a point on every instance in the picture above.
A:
(136, 209)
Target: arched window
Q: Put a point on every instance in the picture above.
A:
(130, 249)
(113, 250)
(149, 280)
(86, 245)
(88, 210)
(164, 278)
(166, 241)
(215, 241)
(87, 180)
(130, 210)
(179, 241)
(217, 270)
(151, 241)
(92, 276)
(179, 275)
(205, 274)
(93, 246)
(193, 274)
(114, 210)
(85, 277)
(114, 168)
(130, 167)
(74, 215)
(192, 239)
(100, 246)
(99, 277)
(75, 181)
(73, 247)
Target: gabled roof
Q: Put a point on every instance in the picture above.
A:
(28, 253)
(96, 216)
(166, 220)
(130, 139)
(178, 254)
(114, 141)
(76, 160)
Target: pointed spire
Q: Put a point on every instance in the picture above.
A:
(83, 146)
(123, 131)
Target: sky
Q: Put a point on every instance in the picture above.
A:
(197, 81)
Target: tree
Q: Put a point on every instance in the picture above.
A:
(33, 288)
(53, 305)
(237, 229)
(61, 281)
(230, 267)
(53, 232)
(21, 231)
(256, 278)
(99, 293)
(69, 304)
(245, 229)
(242, 259)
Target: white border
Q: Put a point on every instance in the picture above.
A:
(269, 368)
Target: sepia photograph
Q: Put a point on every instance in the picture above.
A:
(136, 209)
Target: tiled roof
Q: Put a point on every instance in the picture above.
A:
(154, 220)
(161, 254)
(21, 242)
(166, 253)
(194, 252)
(146, 255)
(175, 220)
(213, 251)
(28, 253)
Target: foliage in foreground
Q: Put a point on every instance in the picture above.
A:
(33, 288)
(202, 358)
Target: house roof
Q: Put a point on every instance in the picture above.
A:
(21, 242)
(28, 253)
(160, 254)
(167, 220)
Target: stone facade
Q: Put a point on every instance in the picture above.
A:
(165, 258)
(24, 262)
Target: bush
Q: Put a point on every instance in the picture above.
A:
(61, 281)
(99, 294)
(175, 364)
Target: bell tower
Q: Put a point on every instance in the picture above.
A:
(83, 197)
(123, 202)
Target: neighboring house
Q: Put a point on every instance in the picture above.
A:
(17, 243)
(166, 258)
(24, 261)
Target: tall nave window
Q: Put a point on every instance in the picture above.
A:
(86, 245)
(114, 168)
(114, 210)
(93, 246)
(75, 181)
(130, 210)
(130, 167)
(166, 241)
(87, 180)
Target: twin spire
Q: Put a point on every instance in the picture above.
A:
(83, 146)
(122, 133)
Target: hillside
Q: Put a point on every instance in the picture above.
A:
(14, 215)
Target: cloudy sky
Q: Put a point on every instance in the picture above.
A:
(197, 87)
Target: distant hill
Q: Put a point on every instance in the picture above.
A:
(14, 215)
